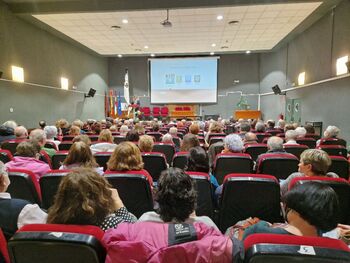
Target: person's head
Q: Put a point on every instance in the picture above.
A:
(309, 128)
(275, 143)
(4, 178)
(139, 129)
(167, 138)
(314, 162)
(123, 130)
(173, 131)
(126, 157)
(146, 143)
(78, 123)
(281, 124)
(105, 136)
(198, 160)
(244, 127)
(289, 127)
(132, 136)
(82, 138)
(233, 143)
(301, 132)
(194, 128)
(28, 149)
(21, 132)
(62, 123)
(51, 132)
(260, 126)
(314, 202)
(10, 124)
(155, 126)
(176, 195)
(271, 124)
(250, 137)
(83, 198)
(80, 153)
(331, 132)
(291, 135)
(74, 130)
(38, 135)
(189, 141)
(42, 124)
(215, 127)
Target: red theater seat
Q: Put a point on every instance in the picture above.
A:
(5, 156)
(4, 255)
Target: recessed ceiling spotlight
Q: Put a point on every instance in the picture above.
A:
(125, 21)
(212, 53)
(219, 17)
(146, 47)
(233, 22)
(224, 47)
(153, 55)
(248, 52)
(120, 55)
(115, 27)
(213, 45)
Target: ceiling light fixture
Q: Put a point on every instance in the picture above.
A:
(166, 22)
(212, 53)
(248, 52)
(125, 21)
(213, 45)
(120, 55)
(219, 17)
(146, 47)
(115, 27)
(233, 22)
(153, 55)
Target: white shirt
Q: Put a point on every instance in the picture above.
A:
(102, 147)
(30, 214)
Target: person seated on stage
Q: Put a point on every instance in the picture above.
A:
(177, 198)
(311, 209)
(7, 131)
(123, 130)
(260, 127)
(15, 213)
(132, 136)
(250, 138)
(126, 157)
(189, 141)
(313, 162)
(51, 134)
(40, 136)
(27, 157)
(80, 155)
(290, 137)
(21, 133)
(146, 143)
(86, 198)
(104, 143)
(301, 132)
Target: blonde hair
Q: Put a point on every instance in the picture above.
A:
(146, 143)
(105, 136)
(74, 130)
(318, 159)
(125, 157)
(80, 153)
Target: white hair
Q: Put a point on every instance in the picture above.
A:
(234, 143)
(332, 131)
(50, 131)
(275, 143)
(10, 124)
(291, 135)
(38, 135)
(301, 131)
(173, 131)
(167, 138)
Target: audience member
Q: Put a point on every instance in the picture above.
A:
(139, 129)
(330, 132)
(40, 136)
(123, 130)
(250, 138)
(51, 134)
(309, 129)
(21, 133)
(288, 127)
(189, 141)
(214, 127)
(260, 127)
(27, 157)
(244, 129)
(194, 129)
(132, 136)
(177, 199)
(126, 157)
(270, 125)
(313, 162)
(74, 131)
(80, 155)
(42, 124)
(290, 137)
(167, 138)
(173, 131)
(104, 143)
(82, 138)
(86, 198)
(233, 144)
(15, 213)
(7, 131)
(146, 143)
(281, 124)
(310, 209)
(301, 132)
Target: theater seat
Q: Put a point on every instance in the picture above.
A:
(310, 142)
(118, 139)
(226, 163)
(254, 150)
(102, 159)
(134, 188)
(58, 158)
(155, 163)
(211, 135)
(167, 149)
(332, 141)
(340, 166)
(65, 145)
(273, 248)
(262, 135)
(44, 243)
(339, 185)
(295, 149)
(24, 185)
(11, 145)
(337, 150)
(249, 195)
(5, 156)
(4, 255)
(157, 135)
(205, 202)
(49, 185)
(180, 160)
(51, 145)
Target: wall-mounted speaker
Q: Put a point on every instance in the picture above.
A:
(277, 91)
(1, 74)
(347, 65)
(91, 93)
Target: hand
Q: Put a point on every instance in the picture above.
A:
(344, 230)
(118, 203)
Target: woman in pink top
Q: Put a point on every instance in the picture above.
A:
(27, 158)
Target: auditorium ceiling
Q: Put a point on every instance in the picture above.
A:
(131, 27)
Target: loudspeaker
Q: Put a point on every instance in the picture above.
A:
(0, 74)
(276, 89)
(91, 93)
(347, 65)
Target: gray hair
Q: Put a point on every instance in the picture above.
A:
(275, 143)
(173, 131)
(21, 131)
(50, 131)
(234, 143)
(301, 131)
(291, 135)
(260, 127)
(10, 124)
(167, 138)
(332, 131)
(124, 129)
(38, 135)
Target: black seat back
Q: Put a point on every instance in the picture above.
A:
(155, 163)
(49, 185)
(167, 149)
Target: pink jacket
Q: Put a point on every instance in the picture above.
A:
(39, 168)
(151, 242)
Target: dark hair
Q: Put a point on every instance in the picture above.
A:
(190, 140)
(176, 195)
(309, 128)
(316, 203)
(198, 160)
(245, 127)
(132, 136)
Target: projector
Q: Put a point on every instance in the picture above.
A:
(166, 23)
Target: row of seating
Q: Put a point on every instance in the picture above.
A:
(155, 112)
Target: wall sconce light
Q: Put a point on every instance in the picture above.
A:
(17, 74)
(301, 78)
(341, 65)
(64, 83)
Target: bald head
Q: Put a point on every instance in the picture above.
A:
(21, 132)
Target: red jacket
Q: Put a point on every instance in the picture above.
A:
(160, 242)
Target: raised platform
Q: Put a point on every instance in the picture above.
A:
(247, 114)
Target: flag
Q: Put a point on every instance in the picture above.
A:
(126, 87)
(111, 103)
(106, 105)
(119, 105)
